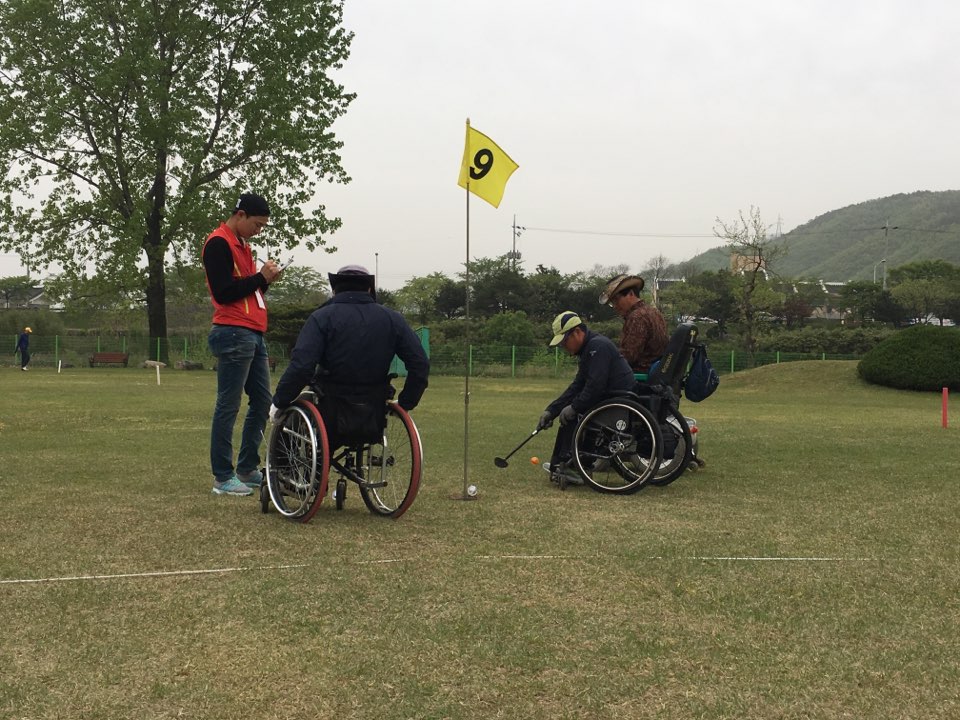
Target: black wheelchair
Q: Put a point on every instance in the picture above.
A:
(385, 466)
(626, 442)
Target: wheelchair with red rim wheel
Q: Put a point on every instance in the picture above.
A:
(300, 462)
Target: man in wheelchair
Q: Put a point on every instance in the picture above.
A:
(644, 335)
(344, 350)
(602, 372)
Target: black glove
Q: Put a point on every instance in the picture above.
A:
(545, 421)
(568, 414)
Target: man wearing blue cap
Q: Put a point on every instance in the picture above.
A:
(602, 372)
(236, 339)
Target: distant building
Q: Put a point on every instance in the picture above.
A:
(32, 298)
(746, 263)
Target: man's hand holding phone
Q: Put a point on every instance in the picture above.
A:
(270, 271)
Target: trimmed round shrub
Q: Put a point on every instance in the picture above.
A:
(923, 357)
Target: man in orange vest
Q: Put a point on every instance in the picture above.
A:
(236, 339)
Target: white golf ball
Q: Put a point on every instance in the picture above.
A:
(472, 490)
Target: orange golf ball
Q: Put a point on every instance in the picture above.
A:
(535, 460)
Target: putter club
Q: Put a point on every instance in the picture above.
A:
(501, 462)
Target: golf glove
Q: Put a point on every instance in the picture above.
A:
(568, 414)
(545, 421)
(273, 412)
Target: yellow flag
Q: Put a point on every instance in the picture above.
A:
(485, 168)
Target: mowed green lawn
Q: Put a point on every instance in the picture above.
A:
(810, 570)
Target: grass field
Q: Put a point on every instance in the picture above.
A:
(809, 571)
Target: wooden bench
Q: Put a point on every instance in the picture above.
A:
(109, 358)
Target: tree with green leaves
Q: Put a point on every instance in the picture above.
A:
(451, 299)
(924, 299)
(859, 298)
(509, 328)
(417, 299)
(720, 304)
(15, 290)
(300, 286)
(129, 129)
(686, 299)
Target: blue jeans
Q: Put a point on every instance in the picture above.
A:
(241, 367)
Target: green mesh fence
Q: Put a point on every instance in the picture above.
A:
(516, 361)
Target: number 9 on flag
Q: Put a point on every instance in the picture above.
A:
(485, 168)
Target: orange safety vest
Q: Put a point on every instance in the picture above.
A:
(245, 312)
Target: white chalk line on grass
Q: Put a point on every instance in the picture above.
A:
(158, 573)
(264, 568)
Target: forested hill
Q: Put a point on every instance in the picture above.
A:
(846, 244)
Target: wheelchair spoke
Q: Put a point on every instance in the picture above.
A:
(391, 468)
(296, 462)
(615, 445)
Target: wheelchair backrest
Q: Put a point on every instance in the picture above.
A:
(676, 358)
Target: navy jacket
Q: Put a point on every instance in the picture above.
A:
(353, 340)
(603, 372)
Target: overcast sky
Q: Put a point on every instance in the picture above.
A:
(631, 117)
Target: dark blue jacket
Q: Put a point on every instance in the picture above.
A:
(23, 342)
(353, 340)
(603, 372)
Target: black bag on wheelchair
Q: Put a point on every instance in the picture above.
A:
(702, 379)
(353, 415)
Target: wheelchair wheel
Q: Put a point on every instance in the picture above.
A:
(391, 468)
(298, 461)
(617, 446)
(670, 469)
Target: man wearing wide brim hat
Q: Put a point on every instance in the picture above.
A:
(602, 372)
(644, 336)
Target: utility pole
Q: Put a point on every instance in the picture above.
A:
(886, 249)
(882, 262)
(513, 255)
(376, 271)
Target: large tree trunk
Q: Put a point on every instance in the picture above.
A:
(157, 308)
(156, 267)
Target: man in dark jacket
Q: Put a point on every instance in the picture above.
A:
(349, 343)
(603, 372)
(23, 347)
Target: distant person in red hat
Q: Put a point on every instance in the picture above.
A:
(644, 336)
(23, 347)
(236, 339)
